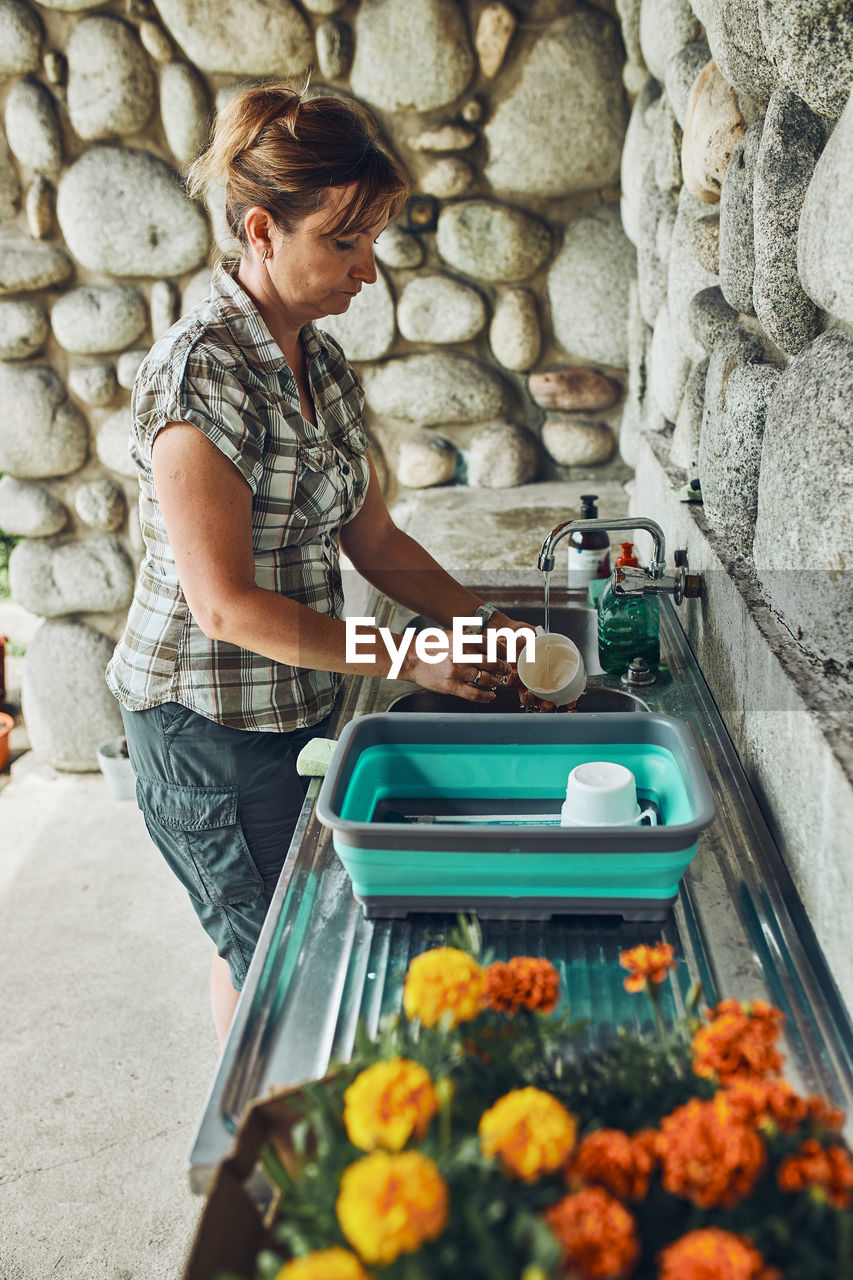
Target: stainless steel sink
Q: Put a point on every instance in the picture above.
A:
(579, 624)
(595, 698)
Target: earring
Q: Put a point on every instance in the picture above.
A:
(266, 255)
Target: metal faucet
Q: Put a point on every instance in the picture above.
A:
(625, 579)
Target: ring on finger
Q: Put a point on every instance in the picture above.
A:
(478, 677)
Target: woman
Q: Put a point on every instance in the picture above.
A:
(253, 472)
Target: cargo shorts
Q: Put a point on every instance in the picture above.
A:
(221, 805)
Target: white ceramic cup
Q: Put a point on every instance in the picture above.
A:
(556, 672)
(600, 793)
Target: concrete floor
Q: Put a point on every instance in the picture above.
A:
(107, 1047)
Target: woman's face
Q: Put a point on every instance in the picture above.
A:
(316, 273)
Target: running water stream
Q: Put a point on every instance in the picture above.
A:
(546, 574)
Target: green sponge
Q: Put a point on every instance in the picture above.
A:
(313, 760)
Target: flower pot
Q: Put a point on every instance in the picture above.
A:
(115, 765)
(6, 726)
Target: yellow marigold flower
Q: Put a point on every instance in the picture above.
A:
(444, 983)
(324, 1264)
(391, 1204)
(711, 1253)
(387, 1103)
(531, 1131)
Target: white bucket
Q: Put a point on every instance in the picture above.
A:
(116, 767)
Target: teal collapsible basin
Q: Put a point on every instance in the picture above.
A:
(462, 812)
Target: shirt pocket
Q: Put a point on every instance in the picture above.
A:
(198, 831)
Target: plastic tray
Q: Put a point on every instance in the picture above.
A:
(436, 812)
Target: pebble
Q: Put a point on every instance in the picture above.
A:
(110, 85)
(436, 308)
(29, 510)
(65, 575)
(196, 290)
(398, 248)
(577, 442)
(42, 433)
(737, 240)
(573, 390)
(810, 44)
(686, 276)
(390, 70)
(666, 26)
(515, 336)
(252, 38)
(734, 32)
(10, 184)
(334, 49)
(710, 317)
(669, 367)
(502, 455)
(95, 318)
(703, 237)
(730, 457)
(164, 304)
(94, 384)
(424, 460)
(713, 127)
(495, 28)
(155, 42)
(446, 137)
(112, 443)
(23, 329)
(450, 176)
(101, 505)
(367, 330)
(588, 287)
(684, 445)
(55, 67)
(20, 38)
(491, 241)
(127, 366)
(682, 71)
(435, 387)
(32, 129)
(184, 110)
(636, 154)
(40, 207)
(825, 236)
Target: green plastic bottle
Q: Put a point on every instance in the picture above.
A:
(628, 626)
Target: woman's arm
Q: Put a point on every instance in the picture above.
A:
(207, 510)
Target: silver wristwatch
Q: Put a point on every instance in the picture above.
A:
(485, 612)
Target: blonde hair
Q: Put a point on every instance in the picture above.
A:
(277, 149)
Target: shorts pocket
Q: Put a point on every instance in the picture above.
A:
(198, 831)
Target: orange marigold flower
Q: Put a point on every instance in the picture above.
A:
(764, 1103)
(713, 1254)
(827, 1170)
(621, 1163)
(709, 1157)
(740, 1040)
(444, 983)
(530, 1130)
(647, 964)
(391, 1204)
(324, 1264)
(524, 982)
(387, 1103)
(596, 1233)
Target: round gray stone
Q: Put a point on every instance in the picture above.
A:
(25, 265)
(40, 206)
(254, 38)
(527, 131)
(23, 328)
(435, 308)
(825, 236)
(123, 212)
(571, 390)
(424, 460)
(666, 26)
(713, 126)
(803, 529)
(42, 433)
(196, 290)
(588, 287)
(501, 456)
(738, 348)
(163, 304)
(684, 445)
(66, 575)
(184, 109)
(68, 708)
(100, 504)
(669, 367)
(112, 443)
(730, 453)
(737, 46)
(110, 84)
(20, 38)
(94, 384)
(737, 241)
(96, 318)
(334, 49)
(682, 71)
(710, 317)
(657, 215)
(399, 248)
(10, 183)
(577, 442)
(450, 176)
(514, 334)
(629, 18)
(686, 275)
(811, 45)
(445, 137)
(410, 57)
(32, 128)
(127, 366)
(791, 143)
(366, 331)
(639, 338)
(636, 154)
(435, 387)
(29, 510)
(667, 147)
(491, 241)
(704, 237)
(155, 42)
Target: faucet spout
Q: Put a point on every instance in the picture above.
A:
(657, 564)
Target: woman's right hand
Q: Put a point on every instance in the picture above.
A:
(475, 680)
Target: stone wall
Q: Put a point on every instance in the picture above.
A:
(492, 347)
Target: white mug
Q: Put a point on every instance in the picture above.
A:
(601, 793)
(556, 672)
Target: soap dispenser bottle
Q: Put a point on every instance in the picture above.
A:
(628, 626)
(589, 549)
